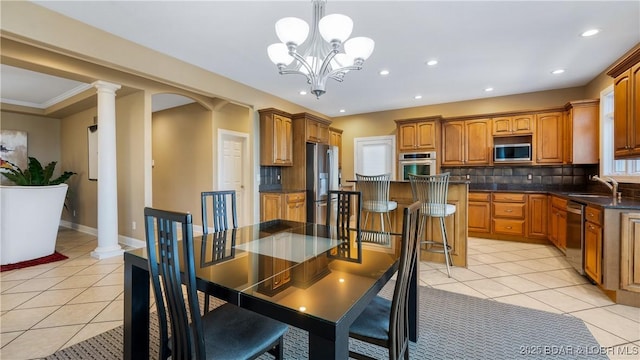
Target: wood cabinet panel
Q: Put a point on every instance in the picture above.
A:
(335, 139)
(509, 227)
(549, 138)
(558, 222)
(467, 142)
(479, 217)
(630, 253)
(581, 128)
(453, 143)
(418, 134)
(513, 125)
(317, 131)
(593, 251)
(276, 138)
(626, 93)
(538, 215)
(508, 210)
(289, 206)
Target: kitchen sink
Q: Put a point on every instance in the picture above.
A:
(591, 195)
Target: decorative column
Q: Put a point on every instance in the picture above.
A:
(107, 173)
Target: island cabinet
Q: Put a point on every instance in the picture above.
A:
(549, 138)
(626, 105)
(593, 243)
(509, 213)
(276, 138)
(630, 253)
(418, 134)
(558, 222)
(581, 120)
(335, 139)
(513, 125)
(479, 213)
(286, 206)
(467, 142)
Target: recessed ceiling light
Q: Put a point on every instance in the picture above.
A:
(342, 110)
(557, 71)
(488, 89)
(432, 62)
(418, 97)
(302, 92)
(384, 72)
(590, 32)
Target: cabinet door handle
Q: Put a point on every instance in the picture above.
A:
(509, 227)
(509, 210)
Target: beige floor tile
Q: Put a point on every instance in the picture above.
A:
(91, 330)
(78, 281)
(570, 275)
(628, 351)
(99, 268)
(490, 288)
(72, 314)
(486, 258)
(62, 271)
(629, 312)
(560, 301)
(11, 301)
(519, 284)
(435, 277)
(36, 284)
(111, 279)
(489, 271)
(509, 256)
(51, 297)
(22, 274)
(471, 261)
(82, 261)
(605, 338)
(460, 289)
(6, 338)
(536, 265)
(514, 268)
(618, 325)
(462, 274)
(546, 280)
(113, 312)
(39, 343)
(557, 262)
(587, 293)
(98, 293)
(6, 285)
(16, 320)
(528, 302)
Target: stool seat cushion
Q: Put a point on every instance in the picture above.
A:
(379, 206)
(437, 210)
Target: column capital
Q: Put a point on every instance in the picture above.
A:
(107, 86)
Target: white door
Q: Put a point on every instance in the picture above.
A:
(232, 169)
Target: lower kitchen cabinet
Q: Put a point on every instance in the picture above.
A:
(479, 218)
(629, 253)
(286, 206)
(509, 213)
(538, 215)
(558, 222)
(593, 243)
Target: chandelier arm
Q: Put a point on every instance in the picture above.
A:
(326, 62)
(295, 72)
(335, 72)
(311, 74)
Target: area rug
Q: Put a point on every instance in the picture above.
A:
(452, 326)
(56, 256)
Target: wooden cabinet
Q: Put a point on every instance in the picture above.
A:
(558, 222)
(629, 252)
(276, 138)
(335, 139)
(418, 134)
(593, 243)
(513, 125)
(537, 217)
(286, 206)
(509, 213)
(310, 271)
(317, 129)
(275, 271)
(582, 124)
(479, 209)
(626, 94)
(549, 138)
(467, 142)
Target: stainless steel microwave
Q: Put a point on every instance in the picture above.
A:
(512, 152)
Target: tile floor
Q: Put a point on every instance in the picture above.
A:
(51, 306)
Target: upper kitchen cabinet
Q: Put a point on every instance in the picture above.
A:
(335, 139)
(276, 138)
(316, 128)
(513, 125)
(466, 142)
(549, 138)
(418, 134)
(626, 113)
(581, 128)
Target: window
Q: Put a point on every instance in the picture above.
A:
(375, 155)
(621, 170)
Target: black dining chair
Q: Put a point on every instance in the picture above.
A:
(347, 204)
(226, 332)
(220, 202)
(386, 322)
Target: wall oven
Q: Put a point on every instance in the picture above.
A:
(421, 163)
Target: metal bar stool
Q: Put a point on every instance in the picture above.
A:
(375, 197)
(431, 191)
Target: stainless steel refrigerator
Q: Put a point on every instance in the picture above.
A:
(322, 176)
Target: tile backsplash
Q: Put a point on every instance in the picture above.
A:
(270, 178)
(525, 175)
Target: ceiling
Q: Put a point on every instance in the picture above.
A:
(510, 46)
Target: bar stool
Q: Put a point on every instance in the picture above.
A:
(431, 191)
(375, 197)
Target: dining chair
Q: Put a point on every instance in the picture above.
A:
(226, 332)
(432, 191)
(348, 210)
(375, 199)
(386, 322)
(220, 202)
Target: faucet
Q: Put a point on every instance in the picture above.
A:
(611, 183)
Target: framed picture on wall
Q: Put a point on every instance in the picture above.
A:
(92, 146)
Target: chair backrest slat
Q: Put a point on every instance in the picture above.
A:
(431, 191)
(165, 232)
(375, 191)
(347, 204)
(220, 203)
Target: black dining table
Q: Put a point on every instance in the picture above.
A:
(294, 272)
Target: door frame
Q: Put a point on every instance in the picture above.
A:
(243, 208)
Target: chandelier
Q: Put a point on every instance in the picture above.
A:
(326, 54)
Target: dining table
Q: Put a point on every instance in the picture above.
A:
(295, 272)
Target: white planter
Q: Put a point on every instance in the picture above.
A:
(30, 216)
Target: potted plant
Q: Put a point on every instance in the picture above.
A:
(30, 210)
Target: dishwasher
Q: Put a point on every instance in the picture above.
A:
(575, 235)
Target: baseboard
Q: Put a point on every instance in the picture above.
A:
(123, 240)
